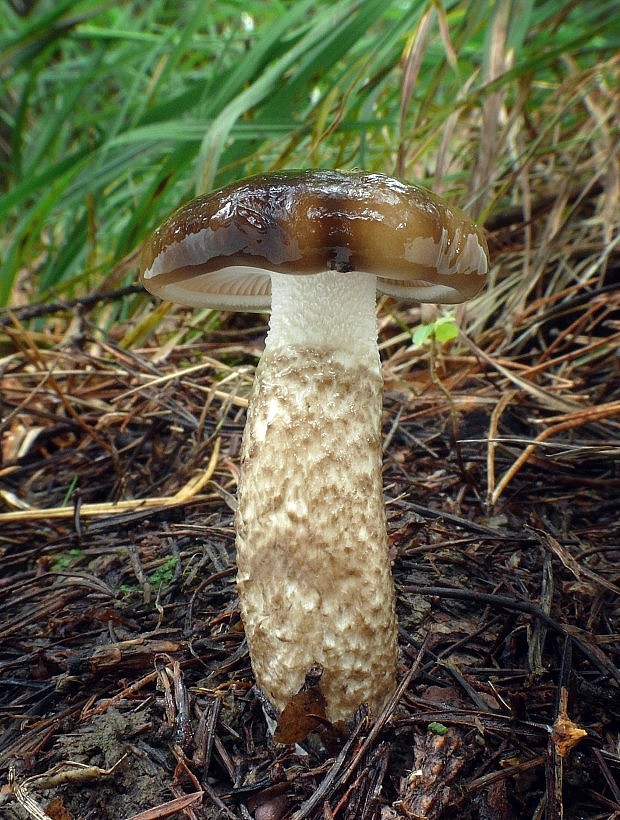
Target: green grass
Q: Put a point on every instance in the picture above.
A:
(114, 113)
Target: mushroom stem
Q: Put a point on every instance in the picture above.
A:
(314, 574)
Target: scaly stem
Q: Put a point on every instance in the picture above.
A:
(314, 574)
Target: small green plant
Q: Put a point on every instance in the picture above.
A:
(72, 486)
(164, 574)
(67, 559)
(126, 590)
(443, 329)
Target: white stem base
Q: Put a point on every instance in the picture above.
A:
(314, 574)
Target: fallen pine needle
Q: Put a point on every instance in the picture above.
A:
(189, 492)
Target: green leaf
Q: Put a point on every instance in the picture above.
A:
(437, 728)
(443, 329)
(446, 329)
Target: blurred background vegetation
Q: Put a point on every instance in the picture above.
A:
(113, 113)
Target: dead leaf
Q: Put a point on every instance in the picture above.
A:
(305, 712)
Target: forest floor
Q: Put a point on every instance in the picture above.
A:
(126, 687)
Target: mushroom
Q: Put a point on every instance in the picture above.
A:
(314, 576)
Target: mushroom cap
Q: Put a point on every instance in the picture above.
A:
(218, 250)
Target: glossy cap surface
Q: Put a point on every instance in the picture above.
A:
(218, 250)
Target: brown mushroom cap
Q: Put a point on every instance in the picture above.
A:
(218, 250)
